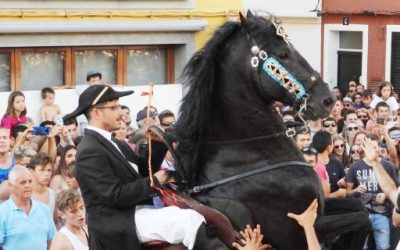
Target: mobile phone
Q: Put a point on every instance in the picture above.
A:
(380, 121)
(40, 131)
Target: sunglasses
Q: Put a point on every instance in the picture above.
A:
(354, 151)
(327, 125)
(339, 146)
(395, 136)
(352, 128)
(348, 105)
(309, 150)
(362, 117)
(167, 124)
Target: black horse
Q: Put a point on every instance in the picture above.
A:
(228, 126)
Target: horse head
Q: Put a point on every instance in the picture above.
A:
(234, 79)
(281, 73)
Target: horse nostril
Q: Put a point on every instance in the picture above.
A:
(328, 102)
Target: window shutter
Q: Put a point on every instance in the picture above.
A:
(395, 69)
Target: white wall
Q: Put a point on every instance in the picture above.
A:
(165, 97)
(302, 25)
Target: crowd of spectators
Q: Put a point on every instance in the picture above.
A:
(40, 195)
(362, 123)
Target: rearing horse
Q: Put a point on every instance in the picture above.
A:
(228, 126)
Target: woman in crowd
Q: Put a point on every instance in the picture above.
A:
(339, 150)
(68, 156)
(359, 138)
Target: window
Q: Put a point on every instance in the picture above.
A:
(41, 69)
(102, 60)
(35, 68)
(146, 65)
(5, 71)
(395, 65)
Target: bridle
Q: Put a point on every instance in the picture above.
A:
(276, 71)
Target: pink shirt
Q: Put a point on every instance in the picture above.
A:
(10, 122)
(320, 168)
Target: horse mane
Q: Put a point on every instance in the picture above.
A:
(200, 80)
(199, 74)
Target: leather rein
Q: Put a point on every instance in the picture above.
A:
(197, 189)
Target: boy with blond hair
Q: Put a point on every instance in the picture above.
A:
(73, 236)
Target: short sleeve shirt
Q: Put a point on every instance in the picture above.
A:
(320, 168)
(21, 231)
(391, 101)
(362, 173)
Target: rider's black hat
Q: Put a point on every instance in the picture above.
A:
(93, 95)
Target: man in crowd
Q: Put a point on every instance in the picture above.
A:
(25, 223)
(362, 184)
(115, 186)
(303, 140)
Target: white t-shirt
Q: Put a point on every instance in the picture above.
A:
(391, 101)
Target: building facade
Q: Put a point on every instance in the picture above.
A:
(361, 42)
(298, 18)
(55, 42)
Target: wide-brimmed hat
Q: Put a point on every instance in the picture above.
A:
(93, 95)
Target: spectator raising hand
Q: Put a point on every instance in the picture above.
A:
(251, 240)
(307, 220)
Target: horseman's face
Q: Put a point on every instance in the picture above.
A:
(108, 115)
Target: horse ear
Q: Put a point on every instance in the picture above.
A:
(242, 18)
(249, 14)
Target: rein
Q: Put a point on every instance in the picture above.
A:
(290, 132)
(198, 189)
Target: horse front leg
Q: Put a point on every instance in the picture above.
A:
(346, 219)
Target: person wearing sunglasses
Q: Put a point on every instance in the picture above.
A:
(362, 115)
(329, 125)
(167, 119)
(349, 133)
(355, 152)
(339, 150)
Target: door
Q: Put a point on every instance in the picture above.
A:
(349, 68)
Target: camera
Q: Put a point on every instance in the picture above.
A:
(40, 131)
(380, 121)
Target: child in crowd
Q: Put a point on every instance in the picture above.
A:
(16, 111)
(49, 109)
(69, 175)
(385, 93)
(74, 235)
(41, 169)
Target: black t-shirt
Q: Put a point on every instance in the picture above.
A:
(336, 172)
(360, 172)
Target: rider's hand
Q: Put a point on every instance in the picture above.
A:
(163, 177)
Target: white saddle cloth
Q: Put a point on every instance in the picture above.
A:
(171, 224)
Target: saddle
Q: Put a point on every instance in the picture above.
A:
(218, 221)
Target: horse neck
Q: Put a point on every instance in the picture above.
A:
(234, 119)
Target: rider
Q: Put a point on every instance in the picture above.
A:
(116, 189)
